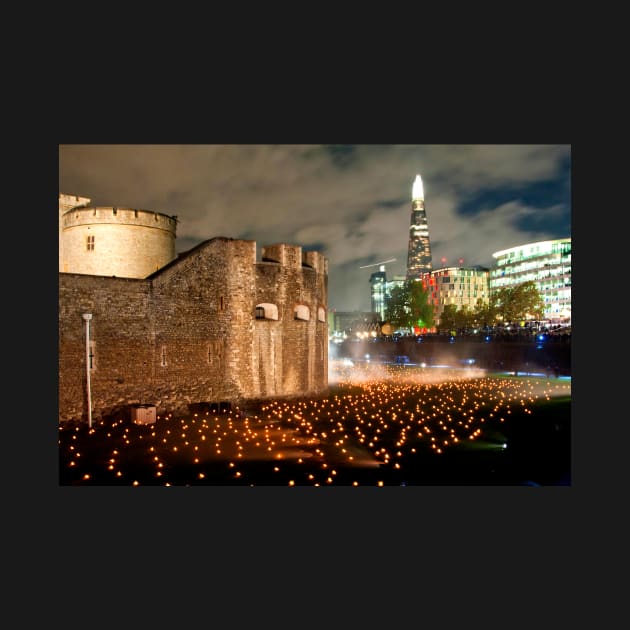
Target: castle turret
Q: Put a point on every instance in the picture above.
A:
(110, 241)
(66, 202)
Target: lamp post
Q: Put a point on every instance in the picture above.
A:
(87, 317)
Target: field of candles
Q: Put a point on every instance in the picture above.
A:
(380, 425)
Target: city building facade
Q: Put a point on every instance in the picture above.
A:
(344, 324)
(378, 292)
(462, 287)
(548, 265)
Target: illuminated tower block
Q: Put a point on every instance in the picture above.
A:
(378, 284)
(419, 255)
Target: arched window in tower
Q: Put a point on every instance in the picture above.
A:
(266, 311)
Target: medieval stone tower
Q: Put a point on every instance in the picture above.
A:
(141, 325)
(112, 241)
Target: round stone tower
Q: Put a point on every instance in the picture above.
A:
(118, 242)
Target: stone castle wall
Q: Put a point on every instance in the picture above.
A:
(189, 333)
(292, 351)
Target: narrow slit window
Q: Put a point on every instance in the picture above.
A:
(163, 357)
(90, 243)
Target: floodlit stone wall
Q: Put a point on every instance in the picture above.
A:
(191, 333)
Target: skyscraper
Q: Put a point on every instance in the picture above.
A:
(419, 255)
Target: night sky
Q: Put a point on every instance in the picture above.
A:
(352, 203)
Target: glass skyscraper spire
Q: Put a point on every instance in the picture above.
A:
(419, 255)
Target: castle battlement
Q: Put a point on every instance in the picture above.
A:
(89, 215)
(113, 241)
(211, 326)
(66, 202)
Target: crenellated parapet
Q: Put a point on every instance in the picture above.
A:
(66, 202)
(286, 255)
(316, 261)
(88, 215)
(211, 325)
(293, 256)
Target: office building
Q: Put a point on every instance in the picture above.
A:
(548, 264)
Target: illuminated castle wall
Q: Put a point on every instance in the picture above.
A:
(212, 325)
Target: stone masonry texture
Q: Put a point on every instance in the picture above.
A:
(190, 332)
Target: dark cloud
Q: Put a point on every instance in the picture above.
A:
(387, 204)
(351, 202)
(342, 155)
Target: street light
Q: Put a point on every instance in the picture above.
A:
(87, 317)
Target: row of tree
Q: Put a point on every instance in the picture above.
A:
(408, 306)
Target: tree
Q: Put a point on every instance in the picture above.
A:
(521, 301)
(408, 306)
(464, 318)
(453, 318)
(485, 314)
(448, 318)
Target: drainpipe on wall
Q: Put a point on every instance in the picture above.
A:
(87, 317)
